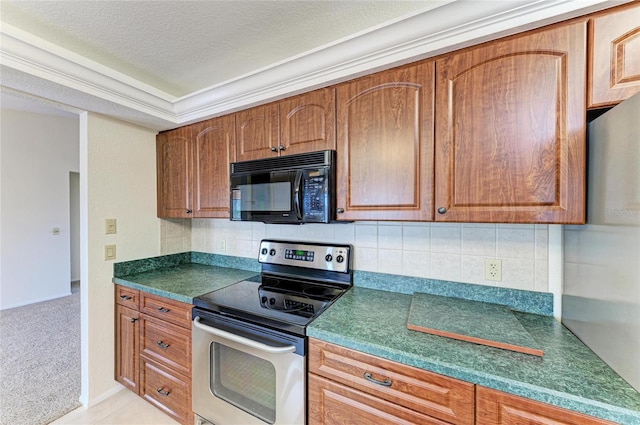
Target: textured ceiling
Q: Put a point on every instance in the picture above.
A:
(181, 47)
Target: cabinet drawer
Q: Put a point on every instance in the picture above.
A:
(167, 344)
(498, 408)
(127, 297)
(334, 404)
(432, 394)
(169, 392)
(165, 309)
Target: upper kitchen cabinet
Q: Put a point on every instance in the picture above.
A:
(213, 150)
(308, 122)
(174, 173)
(510, 130)
(614, 67)
(193, 169)
(257, 132)
(385, 145)
(299, 124)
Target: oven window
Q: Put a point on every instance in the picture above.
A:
(246, 381)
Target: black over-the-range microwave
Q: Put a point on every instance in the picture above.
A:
(291, 189)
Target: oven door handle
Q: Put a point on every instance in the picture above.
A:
(242, 340)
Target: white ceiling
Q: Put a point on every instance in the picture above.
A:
(162, 64)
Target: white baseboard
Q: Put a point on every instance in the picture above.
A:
(102, 397)
(36, 300)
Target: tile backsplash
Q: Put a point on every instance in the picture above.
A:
(444, 251)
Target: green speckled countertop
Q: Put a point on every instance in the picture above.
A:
(183, 282)
(569, 375)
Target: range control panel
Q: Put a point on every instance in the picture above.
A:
(306, 254)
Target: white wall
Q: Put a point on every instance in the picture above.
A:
(454, 252)
(38, 152)
(117, 180)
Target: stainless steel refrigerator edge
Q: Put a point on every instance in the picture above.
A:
(601, 288)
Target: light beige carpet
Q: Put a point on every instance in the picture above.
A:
(40, 361)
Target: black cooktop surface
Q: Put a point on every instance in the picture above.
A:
(278, 299)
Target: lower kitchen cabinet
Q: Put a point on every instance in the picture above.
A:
(335, 404)
(353, 388)
(349, 387)
(498, 408)
(168, 391)
(127, 341)
(153, 350)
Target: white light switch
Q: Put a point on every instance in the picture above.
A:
(109, 252)
(110, 226)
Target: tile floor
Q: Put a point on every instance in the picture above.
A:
(123, 408)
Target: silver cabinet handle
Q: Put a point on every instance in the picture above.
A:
(163, 310)
(242, 340)
(162, 392)
(162, 345)
(133, 320)
(125, 297)
(386, 383)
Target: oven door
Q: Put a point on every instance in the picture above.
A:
(244, 374)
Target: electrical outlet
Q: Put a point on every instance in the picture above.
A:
(222, 245)
(493, 269)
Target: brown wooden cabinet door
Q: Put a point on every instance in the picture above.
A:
(614, 68)
(335, 404)
(307, 122)
(174, 173)
(127, 348)
(510, 130)
(214, 149)
(498, 408)
(385, 145)
(257, 132)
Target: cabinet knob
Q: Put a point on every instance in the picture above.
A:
(133, 320)
(273, 149)
(281, 147)
(442, 210)
(189, 211)
(340, 210)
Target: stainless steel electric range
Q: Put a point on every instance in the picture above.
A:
(249, 338)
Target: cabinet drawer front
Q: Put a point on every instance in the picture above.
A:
(167, 344)
(497, 408)
(163, 308)
(335, 404)
(435, 395)
(169, 393)
(127, 297)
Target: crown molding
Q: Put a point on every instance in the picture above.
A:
(445, 28)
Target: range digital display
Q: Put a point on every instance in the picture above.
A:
(298, 254)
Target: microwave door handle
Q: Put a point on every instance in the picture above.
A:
(298, 194)
(242, 340)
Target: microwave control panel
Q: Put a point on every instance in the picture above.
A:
(315, 196)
